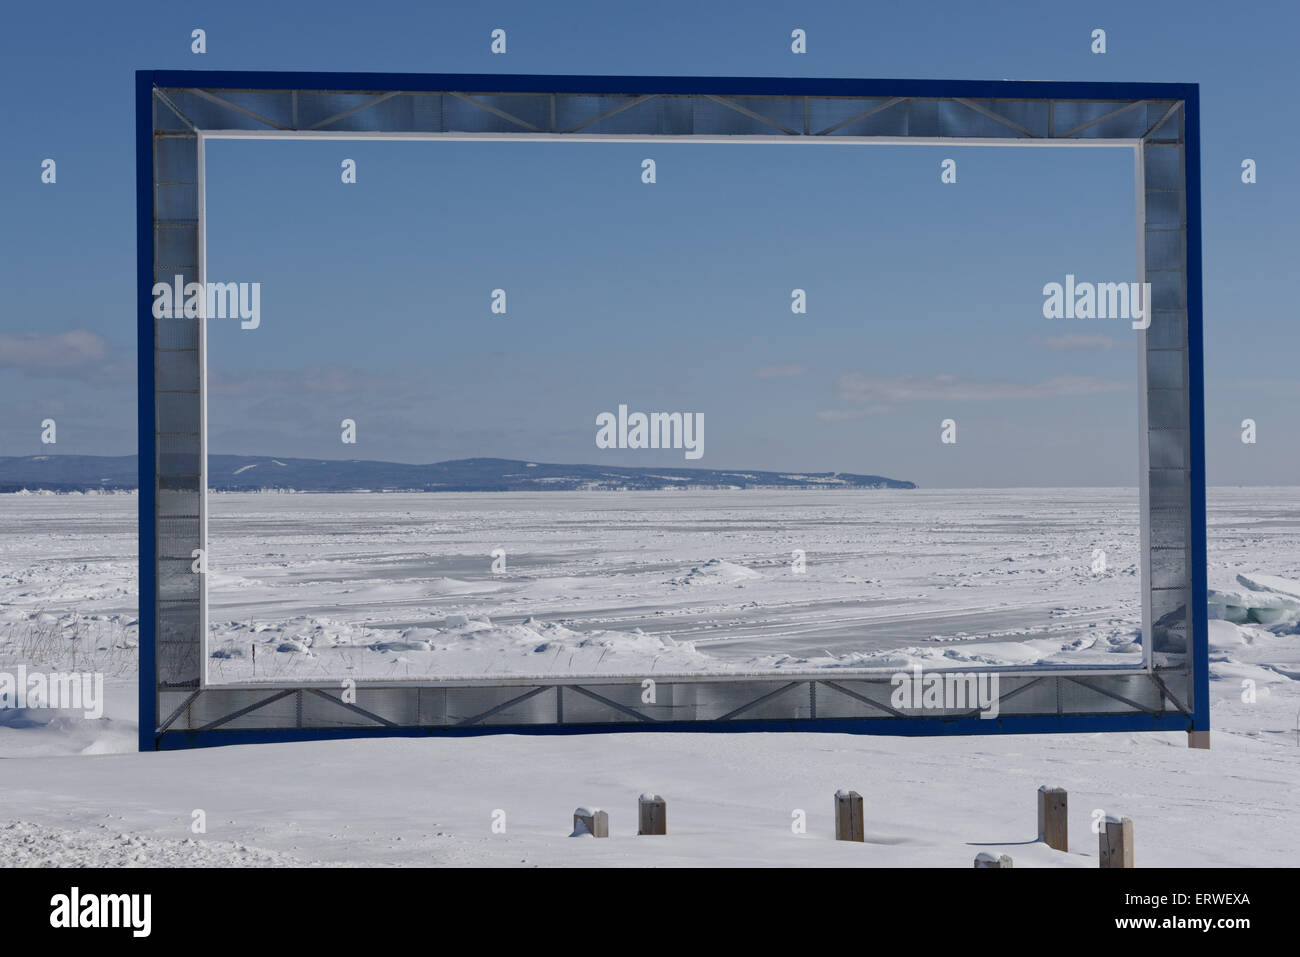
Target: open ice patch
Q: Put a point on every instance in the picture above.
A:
(1257, 600)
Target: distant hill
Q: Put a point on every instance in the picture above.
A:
(67, 473)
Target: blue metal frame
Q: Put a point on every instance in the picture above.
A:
(146, 460)
(680, 85)
(907, 727)
(640, 85)
(1196, 399)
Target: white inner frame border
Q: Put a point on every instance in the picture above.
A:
(1144, 514)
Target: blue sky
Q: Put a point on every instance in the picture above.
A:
(671, 297)
(666, 297)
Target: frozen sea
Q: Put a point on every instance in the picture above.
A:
(626, 582)
(549, 583)
(1003, 575)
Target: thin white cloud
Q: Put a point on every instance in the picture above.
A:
(848, 415)
(857, 387)
(1075, 342)
(324, 379)
(781, 372)
(1281, 388)
(78, 353)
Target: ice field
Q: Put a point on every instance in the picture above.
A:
(664, 582)
(332, 582)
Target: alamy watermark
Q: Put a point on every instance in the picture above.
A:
(654, 430)
(213, 300)
(82, 691)
(74, 909)
(945, 691)
(1102, 300)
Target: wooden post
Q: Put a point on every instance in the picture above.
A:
(1053, 818)
(652, 814)
(1198, 739)
(1115, 843)
(848, 816)
(594, 822)
(985, 859)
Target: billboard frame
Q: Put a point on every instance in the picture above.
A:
(177, 111)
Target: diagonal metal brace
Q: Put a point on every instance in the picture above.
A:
(863, 698)
(266, 121)
(612, 704)
(501, 707)
(751, 114)
(1110, 694)
(496, 112)
(608, 113)
(352, 707)
(252, 707)
(348, 112)
(759, 700)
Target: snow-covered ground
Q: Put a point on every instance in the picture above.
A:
(891, 576)
(638, 583)
(397, 585)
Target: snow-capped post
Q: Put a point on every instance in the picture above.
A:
(592, 821)
(1053, 818)
(985, 859)
(1115, 843)
(848, 816)
(652, 813)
